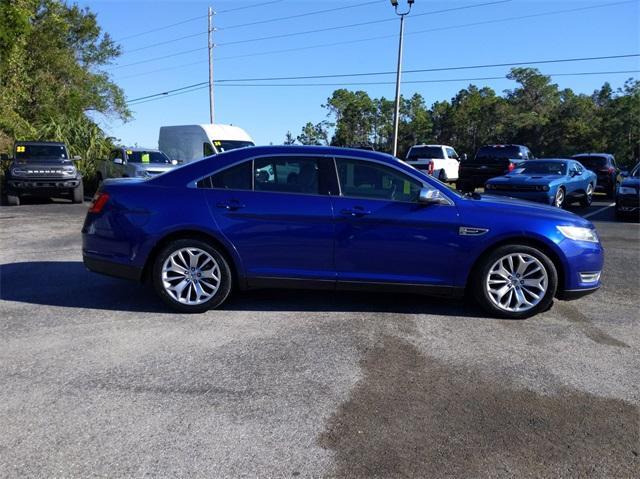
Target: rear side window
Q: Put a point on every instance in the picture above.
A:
(364, 179)
(592, 162)
(288, 175)
(235, 178)
(451, 153)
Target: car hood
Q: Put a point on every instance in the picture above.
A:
(522, 179)
(154, 166)
(505, 206)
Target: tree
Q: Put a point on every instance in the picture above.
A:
(314, 134)
(289, 139)
(51, 55)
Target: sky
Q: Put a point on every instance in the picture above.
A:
(468, 32)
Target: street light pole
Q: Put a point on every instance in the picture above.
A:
(396, 112)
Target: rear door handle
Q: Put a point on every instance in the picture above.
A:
(230, 205)
(355, 211)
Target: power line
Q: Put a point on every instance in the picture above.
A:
(421, 70)
(307, 32)
(380, 37)
(445, 80)
(192, 19)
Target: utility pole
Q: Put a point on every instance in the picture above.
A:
(210, 43)
(396, 112)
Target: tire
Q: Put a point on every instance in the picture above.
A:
(443, 176)
(587, 199)
(512, 307)
(206, 259)
(560, 198)
(77, 194)
(13, 200)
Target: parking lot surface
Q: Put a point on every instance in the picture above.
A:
(97, 378)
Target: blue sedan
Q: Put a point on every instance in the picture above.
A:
(554, 182)
(333, 218)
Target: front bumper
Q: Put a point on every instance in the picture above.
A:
(41, 185)
(628, 204)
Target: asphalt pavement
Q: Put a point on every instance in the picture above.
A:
(97, 378)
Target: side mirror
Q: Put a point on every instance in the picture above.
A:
(430, 196)
(463, 157)
(77, 158)
(118, 161)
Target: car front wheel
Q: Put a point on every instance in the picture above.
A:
(558, 200)
(516, 282)
(191, 276)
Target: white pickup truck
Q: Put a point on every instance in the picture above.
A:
(441, 161)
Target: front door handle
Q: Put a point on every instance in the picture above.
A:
(355, 211)
(230, 205)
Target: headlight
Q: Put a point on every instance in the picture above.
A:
(69, 171)
(489, 187)
(579, 233)
(625, 190)
(18, 172)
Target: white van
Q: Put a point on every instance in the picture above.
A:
(186, 143)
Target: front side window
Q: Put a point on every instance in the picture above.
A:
(364, 179)
(287, 175)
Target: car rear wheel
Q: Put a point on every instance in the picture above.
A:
(559, 199)
(516, 282)
(191, 276)
(443, 176)
(588, 196)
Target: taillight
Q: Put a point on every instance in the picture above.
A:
(99, 200)
(431, 168)
(511, 166)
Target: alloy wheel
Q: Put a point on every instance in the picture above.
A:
(190, 276)
(517, 282)
(559, 200)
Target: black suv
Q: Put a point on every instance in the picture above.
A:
(44, 169)
(490, 161)
(604, 166)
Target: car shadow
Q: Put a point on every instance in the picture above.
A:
(70, 284)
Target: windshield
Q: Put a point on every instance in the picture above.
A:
(498, 152)
(41, 152)
(226, 145)
(542, 168)
(147, 157)
(592, 162)
(425, 152)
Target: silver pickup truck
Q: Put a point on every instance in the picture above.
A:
(134, 162)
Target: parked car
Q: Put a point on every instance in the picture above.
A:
(333, 218)
(556, 182)
(490, 161)
(124, 162)
(603, 165)
(43, 169)
(441, 161)
(186, 143)
(628, 195)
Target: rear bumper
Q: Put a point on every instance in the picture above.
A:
(111, 268)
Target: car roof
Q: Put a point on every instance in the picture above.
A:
(53, 143)
(433, 146)
(548, 159)
(586, 155)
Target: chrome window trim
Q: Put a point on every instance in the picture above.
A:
(193, 183)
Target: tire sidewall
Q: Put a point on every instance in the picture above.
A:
(225, 276)
(482, 296)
